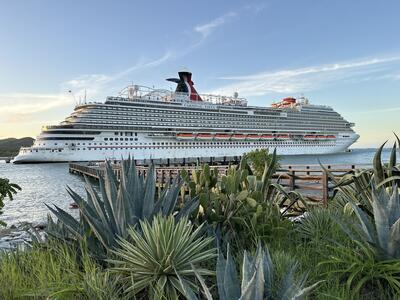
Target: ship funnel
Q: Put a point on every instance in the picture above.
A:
(186, 85)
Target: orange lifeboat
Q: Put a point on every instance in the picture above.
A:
(309, 137)
(253, 137)
(331, 137)
(320, 137)
(185, 136)
(267, 137)
(204, 136)
(238, 137)
(282, 136)
(222, 136)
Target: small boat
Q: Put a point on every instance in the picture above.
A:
(321, 137)
(310, 137)
(331, 137)
(267, 137)
(204, 136)
(253, 137)
(222, 136)
(185, 136)
(238, 137)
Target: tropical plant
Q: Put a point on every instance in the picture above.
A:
(7, 190)
(374, 262)
(356, 185)
(257, 159)
(259, 280)
(162, 260)
(122, 205)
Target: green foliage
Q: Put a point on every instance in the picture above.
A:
(163, 260)
(258, 279)
(7, 190)
(9, 147)
(123, 204)
(355, 187)
(54, 271)
(257, 159)
(373, 263)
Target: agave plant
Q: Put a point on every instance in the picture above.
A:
(381, 232)
(122, 205)
(164, 260)
(258, 280)
(356, 186)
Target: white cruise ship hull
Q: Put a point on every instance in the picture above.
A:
(181, 150)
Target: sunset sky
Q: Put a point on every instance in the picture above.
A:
(345, 54)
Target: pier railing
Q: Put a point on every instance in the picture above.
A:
(311, 181)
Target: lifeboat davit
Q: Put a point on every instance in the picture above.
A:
(185, 136)
(222, 136)
(238, 137)
(267, 137)
(204, 136)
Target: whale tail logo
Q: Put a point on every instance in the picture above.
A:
(186, 85)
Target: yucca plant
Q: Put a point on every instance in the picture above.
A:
(258, 279)
(163, 260)
(122, 205)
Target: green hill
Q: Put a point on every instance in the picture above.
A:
(10, 146)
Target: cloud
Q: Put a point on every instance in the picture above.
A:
(206, 29)
(306, 78)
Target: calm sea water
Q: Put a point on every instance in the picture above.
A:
(45, 183)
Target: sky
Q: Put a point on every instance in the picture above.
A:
(345, 54)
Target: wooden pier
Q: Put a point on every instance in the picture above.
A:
(310, 180)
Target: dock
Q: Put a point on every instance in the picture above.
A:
(310, 180)
(7, 159)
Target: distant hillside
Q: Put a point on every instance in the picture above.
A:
(10, 147)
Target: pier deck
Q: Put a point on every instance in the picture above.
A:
(310, 180)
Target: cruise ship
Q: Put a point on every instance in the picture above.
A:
(147, 123)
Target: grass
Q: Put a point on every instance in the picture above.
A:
(53, 271)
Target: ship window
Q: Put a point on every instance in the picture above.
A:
(106, 139)
(115, 133)
(111, 139)
(126, 139)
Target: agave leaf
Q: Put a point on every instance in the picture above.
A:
(149, 193)
(188, 207)
(394, 240)
(366, 224)
(379, 174)
(393, 205)
(247, 269)
(392, 160)
(380, 216)
(66, 218)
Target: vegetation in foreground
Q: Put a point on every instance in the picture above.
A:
(204, 238)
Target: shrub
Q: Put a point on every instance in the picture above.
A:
(163, 260)
(7, 190)
(123, 204)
